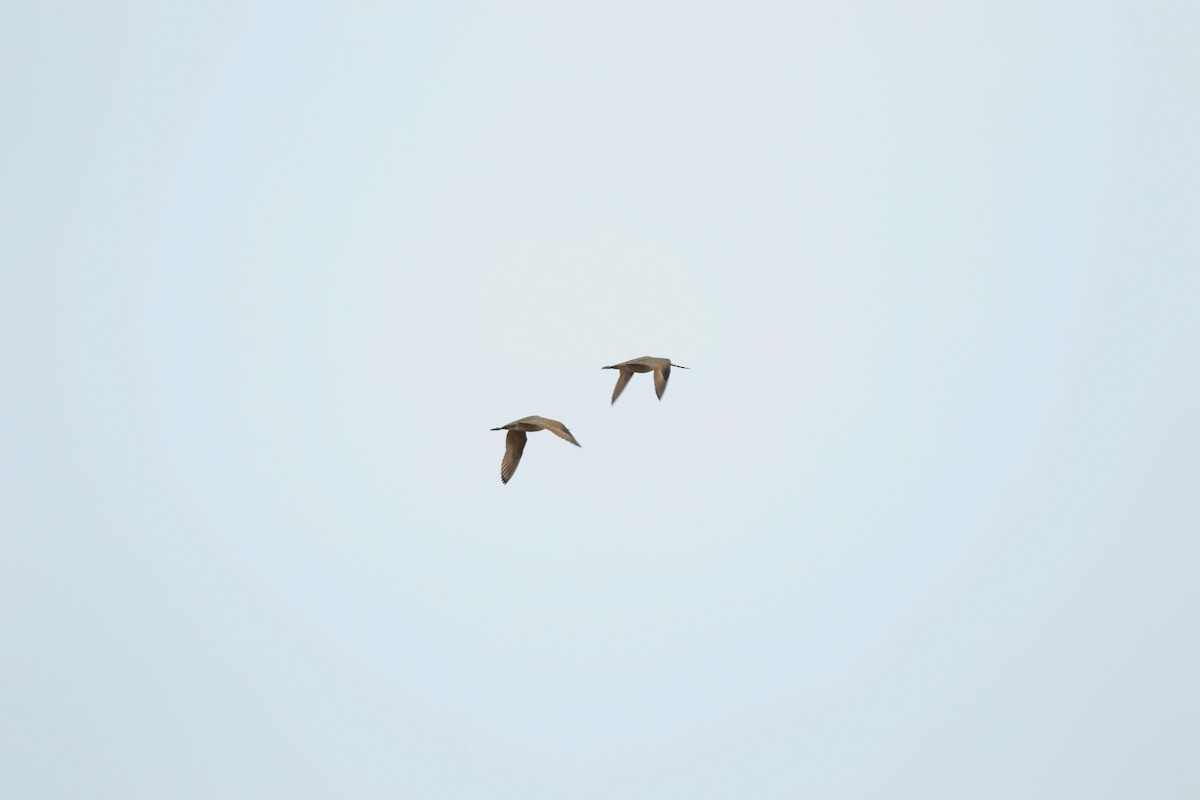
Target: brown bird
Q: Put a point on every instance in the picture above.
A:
(661, 367)
(515, 441)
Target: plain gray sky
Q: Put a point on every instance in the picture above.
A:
(920, 522)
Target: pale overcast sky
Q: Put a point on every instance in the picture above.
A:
(920, 522)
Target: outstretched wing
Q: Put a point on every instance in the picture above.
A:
(558, 429)
(622, 379)
(514, 446)
(660, 379)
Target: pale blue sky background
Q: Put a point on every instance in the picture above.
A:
(921, 521)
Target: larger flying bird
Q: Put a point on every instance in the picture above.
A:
(661, 367)
(515, 441)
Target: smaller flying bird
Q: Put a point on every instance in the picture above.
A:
(515, 441)
(661, 367)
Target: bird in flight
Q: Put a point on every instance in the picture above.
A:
(661, 367)
(515, 441)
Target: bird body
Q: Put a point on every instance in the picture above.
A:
(515, 440)
(661, 367)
